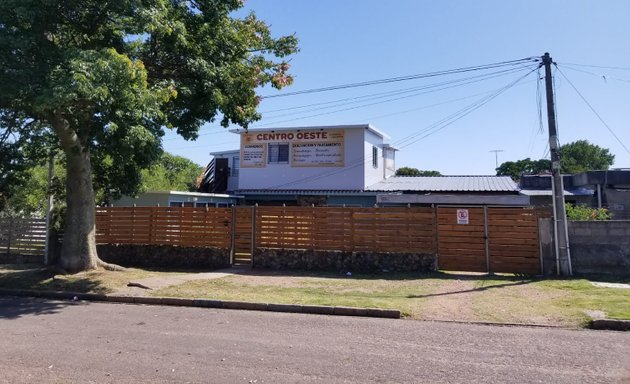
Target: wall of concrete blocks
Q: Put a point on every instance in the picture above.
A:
(596, 246)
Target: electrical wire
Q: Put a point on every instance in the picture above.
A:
(593, 110)
(405, 78)
(604, 77)
(378, 95)
(268, 124)
(411, 139)
(597, 66)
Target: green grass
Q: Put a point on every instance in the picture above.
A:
(433, 296)
(39, 278)
(444, 296)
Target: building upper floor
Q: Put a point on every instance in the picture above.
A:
(340, 157)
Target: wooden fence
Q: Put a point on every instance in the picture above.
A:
(194, 227)
(24, 237)
(491, 240)
(346, 229)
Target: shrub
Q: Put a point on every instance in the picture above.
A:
(584, 213)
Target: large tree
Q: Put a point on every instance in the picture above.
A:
(524, 167)
(107, 76)
(578, 156)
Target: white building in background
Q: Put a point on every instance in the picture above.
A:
(342, 157)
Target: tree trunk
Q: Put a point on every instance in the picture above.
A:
(78, 252)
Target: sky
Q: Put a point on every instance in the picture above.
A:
(432, 120)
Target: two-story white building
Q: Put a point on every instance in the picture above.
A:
(352, 165)
(324, 164)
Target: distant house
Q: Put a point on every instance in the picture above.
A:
(606, 189)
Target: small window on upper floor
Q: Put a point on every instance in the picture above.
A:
(278, 153)
(374, 157)
(235, 166)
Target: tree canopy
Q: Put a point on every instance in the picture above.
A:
(171, 173)
(408, 171)
(581, 156)
(107, 77)
(575, 157)
(524, 167)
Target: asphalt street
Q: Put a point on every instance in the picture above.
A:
(45, 341)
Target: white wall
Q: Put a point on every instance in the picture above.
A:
(284, 176)
(373, 174)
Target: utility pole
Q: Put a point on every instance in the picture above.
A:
(496, 157)
(563, 256)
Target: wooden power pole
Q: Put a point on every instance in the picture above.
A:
(563, 256)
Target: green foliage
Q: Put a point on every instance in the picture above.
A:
(408, 171)
(112, 74)
(171, 173)
(576, 157)
(583, 213)
(581, 156)
(105, 78)
(526, 166)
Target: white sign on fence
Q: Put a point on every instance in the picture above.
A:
(462, 216)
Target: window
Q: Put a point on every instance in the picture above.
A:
(175, 204)
(278, 153)
(374, 157)
(189, 204)
(235, 166)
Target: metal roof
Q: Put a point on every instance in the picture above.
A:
(446, 184)
(567, 192)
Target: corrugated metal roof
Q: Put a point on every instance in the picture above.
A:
(567, 192)
(446, 184)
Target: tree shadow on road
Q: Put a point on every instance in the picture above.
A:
(16, 307)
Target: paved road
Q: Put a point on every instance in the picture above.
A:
(44, 341)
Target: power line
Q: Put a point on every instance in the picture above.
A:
(593, 110)
(377, 95)
(378, 102)
(411, 139)
(405, 78)
(597, 66)
(602, 76)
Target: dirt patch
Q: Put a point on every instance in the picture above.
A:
(450, 300)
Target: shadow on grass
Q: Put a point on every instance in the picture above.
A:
(394, 276)
(42, 278)
(478, 289)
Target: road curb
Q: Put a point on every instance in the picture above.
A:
(207, 303)
(610, 324)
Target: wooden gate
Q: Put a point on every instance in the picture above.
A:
(243, 235)
(488, 239)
